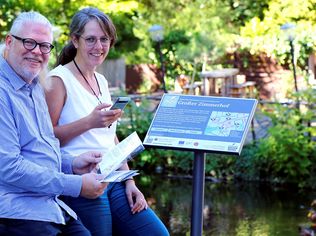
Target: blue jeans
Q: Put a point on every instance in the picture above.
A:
(110, 215)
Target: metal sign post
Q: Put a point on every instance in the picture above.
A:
(198, 194)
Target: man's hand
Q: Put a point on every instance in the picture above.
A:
(91, 186)
(133, 193)
(86, 162)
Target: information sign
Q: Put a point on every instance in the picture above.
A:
(210, 124)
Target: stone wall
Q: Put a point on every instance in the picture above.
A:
(272, 80)
(114, 71)
(142, 78)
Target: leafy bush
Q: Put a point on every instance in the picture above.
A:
(288, 154)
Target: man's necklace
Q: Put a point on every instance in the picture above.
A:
(95, 94)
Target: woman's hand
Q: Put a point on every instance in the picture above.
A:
(100, 118)
(135, 197)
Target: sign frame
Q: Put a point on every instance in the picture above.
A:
(204, 123)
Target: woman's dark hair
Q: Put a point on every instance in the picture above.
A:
(78, 22)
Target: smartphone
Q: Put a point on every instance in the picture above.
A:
(120, 103)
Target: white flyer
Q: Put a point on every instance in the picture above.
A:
(125, 150)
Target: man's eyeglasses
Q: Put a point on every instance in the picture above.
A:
(91, 40)
(30, 44)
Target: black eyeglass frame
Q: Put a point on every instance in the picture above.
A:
(41, 45)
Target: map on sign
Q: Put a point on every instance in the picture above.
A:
(212, 124)
(226, 123)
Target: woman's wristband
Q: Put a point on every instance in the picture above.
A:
(131, 178)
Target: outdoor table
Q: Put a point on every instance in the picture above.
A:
(210, 78)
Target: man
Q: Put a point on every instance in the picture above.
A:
(33, 173)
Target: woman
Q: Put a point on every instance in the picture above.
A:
(77, 99)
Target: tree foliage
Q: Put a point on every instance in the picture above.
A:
(208, 28)
(265, 34)
(60, 12)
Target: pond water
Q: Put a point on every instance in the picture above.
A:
(230, 209)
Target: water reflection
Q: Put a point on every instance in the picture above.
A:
(229, 209)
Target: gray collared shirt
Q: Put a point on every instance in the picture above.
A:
(33, 173)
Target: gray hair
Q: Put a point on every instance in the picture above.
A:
(2, 48)
(31, 16)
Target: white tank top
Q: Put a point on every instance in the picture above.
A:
(80, 103)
